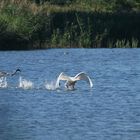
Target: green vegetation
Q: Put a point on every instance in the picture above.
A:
(35, 24)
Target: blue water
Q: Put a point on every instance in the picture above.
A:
(108, 111)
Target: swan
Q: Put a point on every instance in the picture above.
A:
(5, 74)
(70, 81)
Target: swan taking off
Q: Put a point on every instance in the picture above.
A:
(5, 74)
(70, 81)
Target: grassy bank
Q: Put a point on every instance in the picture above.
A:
(27, 24)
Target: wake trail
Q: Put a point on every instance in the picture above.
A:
(23, 83)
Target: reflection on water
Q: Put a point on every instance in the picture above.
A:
(108, 111)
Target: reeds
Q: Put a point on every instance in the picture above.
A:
(133, 43)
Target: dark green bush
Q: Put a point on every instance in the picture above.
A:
(123, 5)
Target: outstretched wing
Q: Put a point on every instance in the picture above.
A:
(83, 76)
(63, 77)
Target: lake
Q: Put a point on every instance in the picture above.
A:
(37, 111)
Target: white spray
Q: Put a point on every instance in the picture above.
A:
(25, 84)
(3, 82)
(50, 85)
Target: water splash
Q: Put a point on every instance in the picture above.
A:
(25, 84)
(50, 85)
(3, 82)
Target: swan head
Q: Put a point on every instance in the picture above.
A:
(18, 70)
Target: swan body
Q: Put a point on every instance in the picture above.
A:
(70, 81)
(5, 74)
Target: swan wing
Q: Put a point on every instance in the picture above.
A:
(85, 77)
(63, 77)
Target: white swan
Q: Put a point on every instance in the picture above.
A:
(5, 74)
(70, 81)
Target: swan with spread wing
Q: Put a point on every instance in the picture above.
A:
(70, 81)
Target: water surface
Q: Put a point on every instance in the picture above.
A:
(111, 110)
